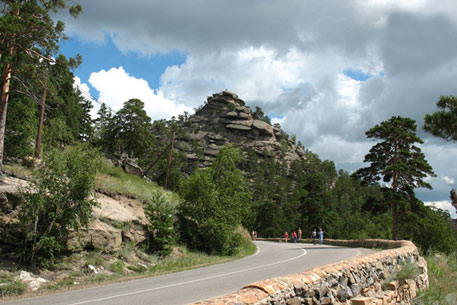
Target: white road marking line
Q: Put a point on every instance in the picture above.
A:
(190, 282)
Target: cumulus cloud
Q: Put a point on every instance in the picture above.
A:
(85, 93)
(448, 180)
(116, 87)
(444, 205)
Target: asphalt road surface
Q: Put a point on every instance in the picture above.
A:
(271, 260)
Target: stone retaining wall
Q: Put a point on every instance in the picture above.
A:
(357, 281)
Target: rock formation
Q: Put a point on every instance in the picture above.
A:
(117, 219)
(226, 119)
(130, 166)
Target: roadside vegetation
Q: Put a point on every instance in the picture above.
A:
(44, 250)
(442, 274)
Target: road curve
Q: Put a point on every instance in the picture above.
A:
(271, 260)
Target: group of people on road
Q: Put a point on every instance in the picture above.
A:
(315, 235)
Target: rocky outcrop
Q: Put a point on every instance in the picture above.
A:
(129, 165)
(116, 219)
(226, 119)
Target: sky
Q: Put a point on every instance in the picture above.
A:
(326, 70)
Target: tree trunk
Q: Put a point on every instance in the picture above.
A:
(169, 161)
(4, 107)
(394, 202)
(394, 209)
(40, 123)
(4, 98)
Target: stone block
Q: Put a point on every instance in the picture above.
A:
(238, 126)
(393, 285)
(362, 301)
(293, 302)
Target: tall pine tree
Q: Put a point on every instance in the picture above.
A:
(27, 28)
(397, 160)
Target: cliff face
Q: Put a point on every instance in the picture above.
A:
(116, 219)
(225, 119)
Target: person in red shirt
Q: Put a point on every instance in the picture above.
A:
(286, 236)
(294, 237)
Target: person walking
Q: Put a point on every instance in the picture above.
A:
(286, 236)
(314, 236)
(300, 233)
(294, 237)
(321, 236)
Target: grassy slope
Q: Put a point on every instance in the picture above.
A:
(442, 273)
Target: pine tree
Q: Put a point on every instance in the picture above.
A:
(101, 128)
(443, 123)
(27, 28)
(132, 128)
(396, 160)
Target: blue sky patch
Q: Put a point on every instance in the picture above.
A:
(275, 116)
(105, 56)
(357, 74)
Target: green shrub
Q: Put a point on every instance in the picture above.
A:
(407, 271)
(10, 286)
(117, 267)
(111, 170)
(59, 201)
(65, 282)
(127, 253)
(95, 259)
(215, 202)
(430, 230)
(160, 213)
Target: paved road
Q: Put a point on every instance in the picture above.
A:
(272, 259)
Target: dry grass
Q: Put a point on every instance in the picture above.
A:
(442, 272)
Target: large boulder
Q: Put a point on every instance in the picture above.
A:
(99, 235)
(263, 127)
(129, 165)
(117, 219)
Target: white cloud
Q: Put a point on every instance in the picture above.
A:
(85, 93)
(444, 205)
(82, 86)
(341, 151)
(448, 180)
(277, 120)
(116, 87)
(411, 5)
(259, 74)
